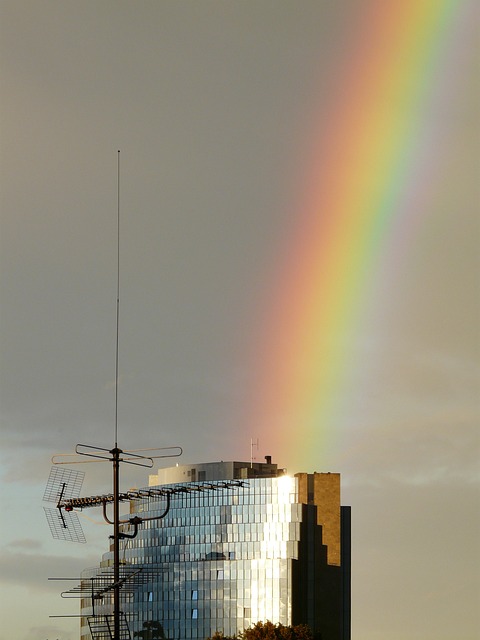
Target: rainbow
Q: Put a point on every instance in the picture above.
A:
(366, 179)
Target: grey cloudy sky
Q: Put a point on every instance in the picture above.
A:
(210, 104)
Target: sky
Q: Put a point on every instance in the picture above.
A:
(258, 300)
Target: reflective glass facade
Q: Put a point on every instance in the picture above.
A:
(220, 560)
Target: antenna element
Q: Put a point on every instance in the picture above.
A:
(118, 297)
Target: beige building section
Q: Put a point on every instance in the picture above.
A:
(323, 490)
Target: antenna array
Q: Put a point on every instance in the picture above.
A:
(64, 486)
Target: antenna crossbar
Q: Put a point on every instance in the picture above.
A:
(140, 457)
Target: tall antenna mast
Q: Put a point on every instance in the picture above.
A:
(118, 297)
(116, 451)
(64, 485)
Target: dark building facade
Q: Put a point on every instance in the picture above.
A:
(277, 548)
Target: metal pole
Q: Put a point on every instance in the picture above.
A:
(116, 543)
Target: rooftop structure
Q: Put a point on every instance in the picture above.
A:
(276, 548)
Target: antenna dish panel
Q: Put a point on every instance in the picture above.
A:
(64, 525)
(63, 484)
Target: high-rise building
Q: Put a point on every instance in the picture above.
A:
(276, 548)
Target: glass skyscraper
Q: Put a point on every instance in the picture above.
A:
(276, 548)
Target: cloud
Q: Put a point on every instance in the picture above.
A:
(32, 571)
(437, 450)
(51, 631)
(25, 543)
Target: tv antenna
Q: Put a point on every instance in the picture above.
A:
(64, 486)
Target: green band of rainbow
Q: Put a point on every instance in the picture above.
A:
(370, 168)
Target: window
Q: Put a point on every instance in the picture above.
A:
(194, 614)
(195, 594)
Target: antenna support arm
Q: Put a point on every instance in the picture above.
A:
(137, 520)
